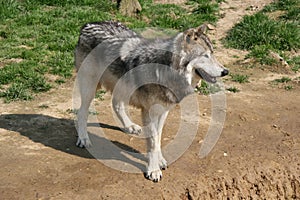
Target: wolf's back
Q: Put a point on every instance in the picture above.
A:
(95, 33)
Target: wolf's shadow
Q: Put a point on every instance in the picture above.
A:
(61, 134)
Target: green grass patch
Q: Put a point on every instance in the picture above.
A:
(262, 54)
(100, 94)
(207, 88)
(288, 87)
(240, 78)
(259, 29)
(295, 62)
(291, 9)
(17, 91)
(42, 35)
(283, 80)
(265, 31)
(233, 89)
(176, 17)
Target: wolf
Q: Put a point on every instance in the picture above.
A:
(108, 51)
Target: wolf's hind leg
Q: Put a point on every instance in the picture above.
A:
(87, 83)
(129, 126)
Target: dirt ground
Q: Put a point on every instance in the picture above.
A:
(256, 157)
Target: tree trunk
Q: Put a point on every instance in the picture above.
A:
(130, 7)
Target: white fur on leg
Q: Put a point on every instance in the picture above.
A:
(154, 120)
(83, 137)
(87, 82)
(129, 126)
(153, 170)
(133, 129)
(162, 161)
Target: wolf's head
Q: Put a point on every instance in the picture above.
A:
(197, 55)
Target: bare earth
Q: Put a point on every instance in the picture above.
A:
(256, 157)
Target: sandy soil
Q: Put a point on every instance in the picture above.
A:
(256, 157)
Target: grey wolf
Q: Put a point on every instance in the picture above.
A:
(189, 54)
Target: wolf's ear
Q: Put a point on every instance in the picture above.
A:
(202, 28)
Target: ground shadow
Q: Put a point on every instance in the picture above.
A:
(60, 134)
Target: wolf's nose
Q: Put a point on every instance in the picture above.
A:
(225, 72)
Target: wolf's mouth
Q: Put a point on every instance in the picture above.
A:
(205, 76)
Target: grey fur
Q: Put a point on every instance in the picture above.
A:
(171, 62)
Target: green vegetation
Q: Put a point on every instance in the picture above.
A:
(276, 28)
(283, 80)
(262, 54)
(233, 89)
(100, 94)
(207, 88)
(38, 37)
(288, 87)
(295, 62)
(240, 78)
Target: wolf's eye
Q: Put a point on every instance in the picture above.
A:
(206, 55)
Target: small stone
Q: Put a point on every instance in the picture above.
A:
(211, 27)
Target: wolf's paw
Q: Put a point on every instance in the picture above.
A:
(163, 163)
(83, 142)
(133, 129)
(154, 176)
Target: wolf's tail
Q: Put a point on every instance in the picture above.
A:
(92, 34)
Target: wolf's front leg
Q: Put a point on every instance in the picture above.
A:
(129, 126)
(154, 155)
(154, 120)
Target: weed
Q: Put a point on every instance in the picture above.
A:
(60, 81)
(283, 80)
(72, 111)
(262, 54)
(295, 62)
(17, 91)
(288, 87)
(233, 89)
(43, 106)
(207, 88)
(100, 94)
(240, 78)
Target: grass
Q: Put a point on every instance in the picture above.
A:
(288, 87)
(207, 88)
(295, 62)
(233, 89)
(260, 33)
(100, 94)
(283, 80)
(240, 78)
(42, 35)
